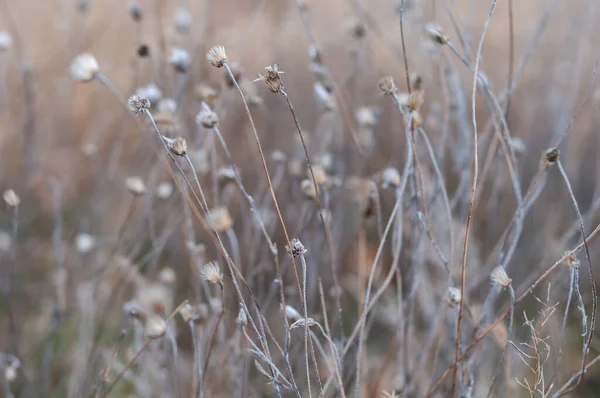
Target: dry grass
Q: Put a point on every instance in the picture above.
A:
(299, 233)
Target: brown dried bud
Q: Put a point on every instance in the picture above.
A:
(178, 146)
(296, 248)
(272, 79)
(552, 155)
(387, 85)
(436, 34)
(570, 259)
(206, 117)
(137, 104)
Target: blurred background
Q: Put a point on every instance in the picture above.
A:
(82, 243)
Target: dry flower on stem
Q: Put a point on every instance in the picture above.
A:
(211, 272)
(11, 198)
(85, 67)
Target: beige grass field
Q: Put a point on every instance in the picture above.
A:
(178, 221)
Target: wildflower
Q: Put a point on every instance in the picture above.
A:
(178, 146)
(570, 259)
(296, 248)
(219, 219)
(499, 277)
(180, 59)
(272, 79)
(85, 67)
(137, 104)
(206, 117)
(242, 319)
(387, 85)
(216, 56)
(11, 198)
(211, 272)
(135, 185)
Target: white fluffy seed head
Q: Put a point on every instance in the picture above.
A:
(156, 327)
(217, 56)
(499, 277)
(84, 67)
(211, 272)
(164, 190)
(135, 185)
(137, 104)
(242, 318)
(11, 198)
(6, 41)
(453, 296)
(85, 243)
(180, 59)
(167, 276)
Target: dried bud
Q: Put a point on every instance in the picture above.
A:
(272, 79)
(211, 272)
(415, 100)
(156, 327)
(137, 104)
(390, 178)
(242, 319)
(206, 117)
(6, 41)
(308, 189)
(453, 296)
(436, 34)
(85, 243)
(178, 146)
(291, 313)
(11, 198)
(219, 219)
(135, 185)
(387, 85)
(570, 259)
(216, 56)
(164, 190)
(180, 59)
(416, 82)
(135, 12)
(296, 248)
(187, 313)
(500, 277)
(319, 173)
(367, 116)
(167, 276)
(301, 323)
(150, 91)
(154, 298)
(84, 67)
(552, 155)
(183, 20)
(143, 51)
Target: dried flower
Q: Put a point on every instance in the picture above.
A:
(164, 190)
(135, 185)
(552, 155)
(150, 91)
(206, 93)
(167, 107)
(178, 146)
(308, 189)
(216, 56)
(135, 12)
(242, 318)
(453, 296)
(137, 104)
(272, 79)
(211, 272)
(500, 277)
(219, 219)
(167, 276)
(390, 178)
(436, 34)
(291, 313)
(387, 85)
(85, 67)
(415, 100)
(180, 59)
(183, 19)
(6, 41)
(319, 173)
(156, 327)
(303, 322)
(11, 198)
(85, 243)
(206, 117)
(367, 116)
(132, 309)
(570, 259)
(296, 248)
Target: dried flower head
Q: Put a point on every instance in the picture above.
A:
(205, 93)
(178, 146)
(499, 277)
(415, 100)
(187, 313)
(135, 185)
(303, 322)
(390, 178)
(85, 67)
(137, 104)
(167, 107)
(11, 198)
(183, 19)
(453, 296)
(570, 259)
(85, 243)
(156, 327)
(552, 155)
(135, 12)
(291, 313)
(272, 79)
(154, 298)
(206, 117)
(308, 189)
(6, 41)
(366, 116)
(211, 272)
(319, 173)
(167, 276)
(296, 248)
(436, 34)
(164, 190)
(217, 56)
(219, 219)
(242, 318)
(150, 91)
(180, 59)
(387, 85)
